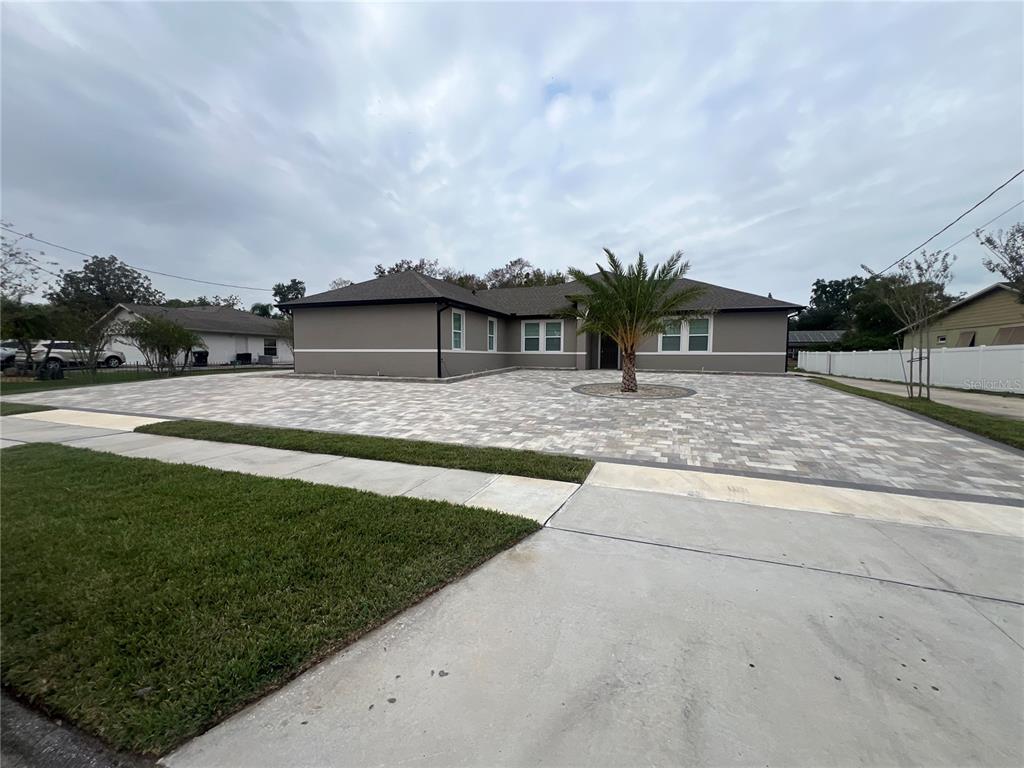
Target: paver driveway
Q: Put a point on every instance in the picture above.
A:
(748, 423)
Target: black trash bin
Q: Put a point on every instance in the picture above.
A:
(244, 358)
(201, 358)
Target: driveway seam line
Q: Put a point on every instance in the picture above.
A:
(487, 485)
(766, 561)
(561, 506)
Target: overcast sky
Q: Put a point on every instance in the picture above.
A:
(250, 144)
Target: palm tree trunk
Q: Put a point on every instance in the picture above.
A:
(629, 370)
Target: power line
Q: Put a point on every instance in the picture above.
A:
(140, 269)
(954, 221)
(980, 226)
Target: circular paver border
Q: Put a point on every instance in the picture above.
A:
(613, 391)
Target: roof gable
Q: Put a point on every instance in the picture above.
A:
(965, 301)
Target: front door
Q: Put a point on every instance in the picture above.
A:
(609, 354)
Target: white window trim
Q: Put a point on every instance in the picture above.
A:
(462, 331)
(488, 340)
(682, 335)
(543, 330)
(684, 339)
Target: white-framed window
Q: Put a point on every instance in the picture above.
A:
(542, 336)
(671, 339)
(492, 334)
(681, 336)
(942, 339)
(270, 347)
(699, 334)
(458, 328)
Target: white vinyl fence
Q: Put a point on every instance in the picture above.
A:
(996, 369)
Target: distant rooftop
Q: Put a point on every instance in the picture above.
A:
(211, 319)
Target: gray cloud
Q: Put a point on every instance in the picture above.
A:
(253, 143)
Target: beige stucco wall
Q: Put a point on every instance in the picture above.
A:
(985, 316)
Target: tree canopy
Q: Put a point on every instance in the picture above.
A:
(1008, 250)
(102, 283)
(231, 300)
(517, 273)
(293, 289)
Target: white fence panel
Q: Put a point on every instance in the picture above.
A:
(995, 369)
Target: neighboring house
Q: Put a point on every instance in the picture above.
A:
(819, 340)
(230, 335)
(992, 316)
(408, 324)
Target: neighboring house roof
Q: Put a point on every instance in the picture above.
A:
(966, 300)
(406, 287)
(815, 337)
(207, 319)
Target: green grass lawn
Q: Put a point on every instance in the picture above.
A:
(79, 378)
(497, 460)
(999, 428)
(145, 601)
(12, 409)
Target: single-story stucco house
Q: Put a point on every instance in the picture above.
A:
(408, 324)
(230, 335)
(991, 317)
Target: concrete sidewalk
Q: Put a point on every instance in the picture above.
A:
(994, 405)
(525, 496)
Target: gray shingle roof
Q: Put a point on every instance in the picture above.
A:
(211, 319)
(538, 300)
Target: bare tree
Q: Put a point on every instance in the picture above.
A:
(19, 266)
(339, 282)
(915, 293)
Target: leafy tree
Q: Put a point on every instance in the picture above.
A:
(519, 273)
(231, 301)
(263, 310)
(27, 323)
(831, 305)
(164, 344)
(19, 266)
(293, 289)
(465, 279)
(1008, 250)
(630, 304)
(101, 284)
(426, 267)
(339, 282)
(874, 325)
(915, 293)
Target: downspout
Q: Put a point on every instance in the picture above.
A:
(440, 308)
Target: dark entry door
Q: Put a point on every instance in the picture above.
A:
(609, 353)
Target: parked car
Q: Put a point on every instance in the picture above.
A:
(8, 350)
(65, 354)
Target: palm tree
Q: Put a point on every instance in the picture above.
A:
(630, 304)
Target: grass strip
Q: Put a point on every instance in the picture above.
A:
(13, 409)
(999, 428)
(506, 461)
(151, 600)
